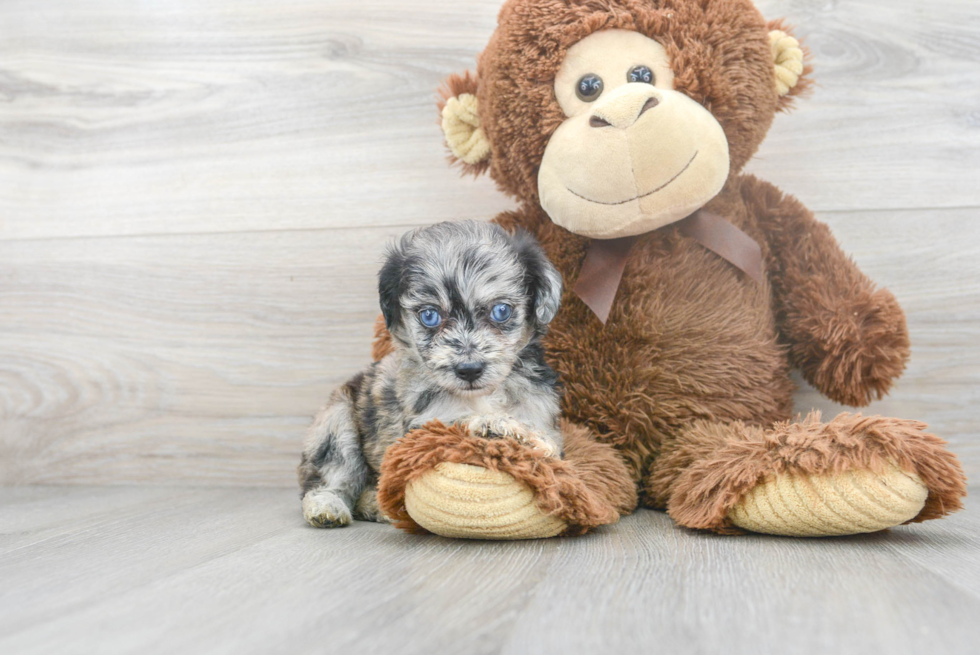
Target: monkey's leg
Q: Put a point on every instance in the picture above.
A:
(333, 472)
(449, 482)
(852, 475)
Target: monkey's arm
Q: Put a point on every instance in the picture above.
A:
(848, 338)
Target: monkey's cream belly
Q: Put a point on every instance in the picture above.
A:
(471, 502)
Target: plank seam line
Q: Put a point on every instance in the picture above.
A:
(387, 226)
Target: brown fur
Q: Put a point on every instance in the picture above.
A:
(848, 338)
(589, 488)
(688, 338)
(719, 52)
(382, 345)
(704, 472)
(689, 378)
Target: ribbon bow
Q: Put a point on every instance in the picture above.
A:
(605, 259)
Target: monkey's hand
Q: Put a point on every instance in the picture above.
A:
(504, 427)
(854, 351)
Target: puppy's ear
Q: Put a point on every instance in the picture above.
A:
(390, 284)
(542, 278)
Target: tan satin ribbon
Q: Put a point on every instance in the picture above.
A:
(605, 259)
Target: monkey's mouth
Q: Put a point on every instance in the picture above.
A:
(644, 195)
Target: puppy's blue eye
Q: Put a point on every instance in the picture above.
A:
(501, 313)
(430, 318)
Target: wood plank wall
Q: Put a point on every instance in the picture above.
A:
(194, 198)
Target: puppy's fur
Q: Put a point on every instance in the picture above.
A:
(471, 368)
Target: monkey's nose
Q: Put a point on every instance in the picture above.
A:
(649, 104)
(622, 110)
(469, 371)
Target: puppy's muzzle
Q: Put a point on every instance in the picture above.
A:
(469, 371)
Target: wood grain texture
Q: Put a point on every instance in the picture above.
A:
(121, 117)
(194, 198)
(199, 358)
(894, 120)
(132, 118)
(202, 357)
(237, 571)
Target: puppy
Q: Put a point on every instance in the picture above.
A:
(466, 305)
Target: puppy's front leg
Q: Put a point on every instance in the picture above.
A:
(502, 427)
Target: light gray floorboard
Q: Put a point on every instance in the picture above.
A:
(237, 571)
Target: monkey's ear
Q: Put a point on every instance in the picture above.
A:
(465, 137)
(542, 278)
(789, 58)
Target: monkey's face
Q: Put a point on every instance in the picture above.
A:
(633, 154)
(621, 116)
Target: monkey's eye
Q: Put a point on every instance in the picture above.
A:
(501, 313)
(641, 74)
(430, 318)
(589, 88)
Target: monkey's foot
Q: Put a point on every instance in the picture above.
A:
(806, 478)
(852, 502)
(445, 480)
(472, 502)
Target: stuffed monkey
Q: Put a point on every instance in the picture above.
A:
(621, 127)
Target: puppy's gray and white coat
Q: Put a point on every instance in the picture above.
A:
(466, 305)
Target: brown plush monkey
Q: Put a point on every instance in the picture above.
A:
(622, 128)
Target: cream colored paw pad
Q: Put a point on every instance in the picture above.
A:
(471, 502)
(852, 502)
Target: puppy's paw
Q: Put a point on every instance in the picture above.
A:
(496, 427)
(323, 508)
(499, 427)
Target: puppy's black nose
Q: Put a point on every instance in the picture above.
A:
(469, 371)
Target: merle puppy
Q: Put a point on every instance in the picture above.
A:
(466, 305)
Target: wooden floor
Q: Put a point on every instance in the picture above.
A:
(157, 570)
